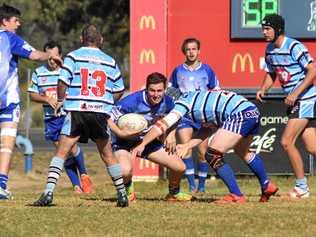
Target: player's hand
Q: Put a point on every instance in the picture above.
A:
(56, 59)
(182, 150)
(138, 150)
(290, 99)
(260, 94)
(52, 102)
(170, 144)
(57, 109)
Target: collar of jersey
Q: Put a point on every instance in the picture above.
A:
(194, 69)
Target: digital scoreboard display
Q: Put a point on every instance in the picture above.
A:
(253, 11)
(246, 17)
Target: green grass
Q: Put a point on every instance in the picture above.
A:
(96, 214)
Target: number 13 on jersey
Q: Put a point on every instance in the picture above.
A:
(99, 88)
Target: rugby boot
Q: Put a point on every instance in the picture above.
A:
(231, 198)
(268, 192)
(297, 193)
(122, 200)
(179, 197)
(46, 199)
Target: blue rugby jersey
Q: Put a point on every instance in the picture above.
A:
(92, 77)
(12, 47)
(289, 62)
(137, 102)
(201, 78)
(44, 82)
(213, 106)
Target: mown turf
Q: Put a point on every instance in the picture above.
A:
(97, 215)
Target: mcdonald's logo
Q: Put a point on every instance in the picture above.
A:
(148, 22)
(243, 60)
(148, 56)
(146, 164)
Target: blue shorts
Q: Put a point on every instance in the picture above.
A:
(188, 123)
(244, 123)
(10, 113)
(120, 144)
(303, 109)
(53, 127)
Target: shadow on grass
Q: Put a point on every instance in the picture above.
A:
(146, 199)
(32, 205)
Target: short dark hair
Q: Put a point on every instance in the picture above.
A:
(91, 35)
(6, 12)
(190, 40)
(156, 78)
(52, 44)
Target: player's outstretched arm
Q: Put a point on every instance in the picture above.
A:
(43, 99)
(38, 55)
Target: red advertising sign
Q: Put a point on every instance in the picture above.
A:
(145, 170)
(147, 40)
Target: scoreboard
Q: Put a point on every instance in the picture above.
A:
(246, 17)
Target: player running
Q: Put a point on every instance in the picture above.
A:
(44, 90)
(153, 104)
(91, 79)
(237, 120)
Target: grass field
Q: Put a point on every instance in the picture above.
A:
(96, 214)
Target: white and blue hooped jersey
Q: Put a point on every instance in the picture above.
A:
(12, 46)
(202, 78)
(212, 107)
(44, 82)
(289, 62)
(92, 77)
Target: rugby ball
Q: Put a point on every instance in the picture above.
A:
(132, 122)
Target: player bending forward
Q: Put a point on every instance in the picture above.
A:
(153, 104)
(237, 120)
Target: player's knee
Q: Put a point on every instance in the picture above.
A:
(214, 158)
(181, 167)
(8, 132)
(286, 143)
(127, 171)
(6, 150)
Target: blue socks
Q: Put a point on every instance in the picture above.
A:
(3, 181)
(203, 170)
(189, 172)
(257, 167)
(71, 170)
(80, 161)
(227, 175)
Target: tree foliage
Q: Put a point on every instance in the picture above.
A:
(44, 20)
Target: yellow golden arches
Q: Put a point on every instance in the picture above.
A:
(147, 22)
(243, 61)
(146, 164)
(147, 56)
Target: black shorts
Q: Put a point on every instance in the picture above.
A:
(86, 125)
